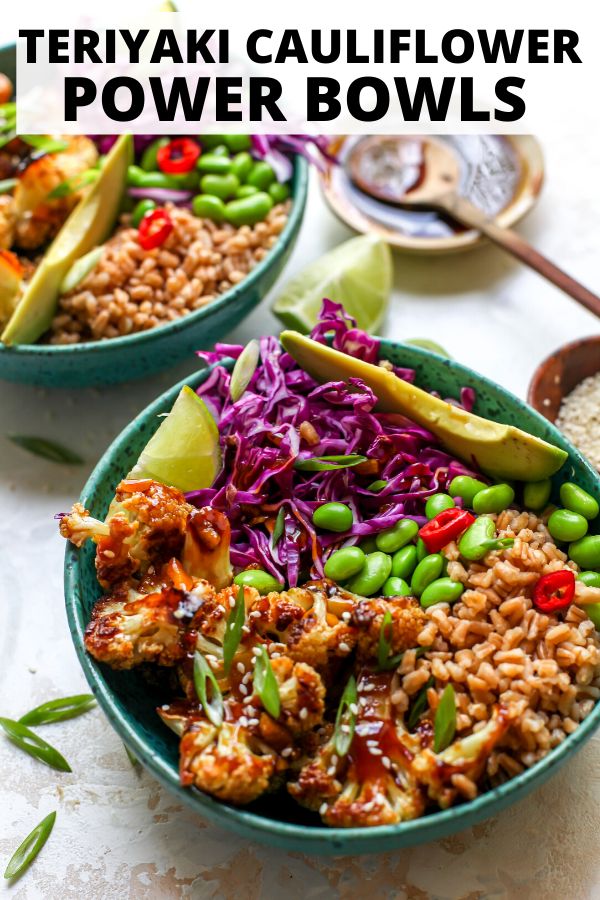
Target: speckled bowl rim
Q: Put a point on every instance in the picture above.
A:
(130, 341)
(302, 838)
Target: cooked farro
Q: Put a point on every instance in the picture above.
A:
(496, 648)
(132, 289)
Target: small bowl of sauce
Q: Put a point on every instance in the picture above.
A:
(502, 175)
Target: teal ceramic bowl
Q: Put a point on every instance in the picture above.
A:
(130, 704)
(137, 355)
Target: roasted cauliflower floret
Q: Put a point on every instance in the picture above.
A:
(312, 621)
(8, 221)
(370, 785)
(144, 526)
(302, 695)
(38, 217)
(408, 620)
(206, 547)
(130, 628)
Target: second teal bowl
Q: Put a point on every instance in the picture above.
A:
(130, 705)
(136, 355)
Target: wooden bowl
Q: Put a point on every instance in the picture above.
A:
(562, 371)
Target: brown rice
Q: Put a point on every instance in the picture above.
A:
(494, 647)
(132, 289)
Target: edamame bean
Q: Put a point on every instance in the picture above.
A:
(398, 536)
(372, 576)
(222, 186)
(493, 499)
(480, 539)
(245, 190)
(422, 550)
(149, 161)
(279, 192)
(377, 486)
(536, 494)
(136, 177)
(593, 611)
(140, 210)
(241, 165)
(586, 552)
(207, 206)
(220, 150)
(428, 570)
(579, 501)
(237, 142)
(261, 176)
(210, 141)
(395, 587)
(248, 210)
(437, 503)
(404, 562)
(344, 563)
(442, 590)
(214, 164)
(259, 579)
(333, 517)
(465, 487)
(591, 579)
(565, 525)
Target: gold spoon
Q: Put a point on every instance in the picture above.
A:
(433, 183)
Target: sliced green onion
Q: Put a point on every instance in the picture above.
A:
(7, 184)
(244, 369)
(233, 629)
(44, 143)
(27, 851)
(46, 449)
(278, 527)
(444, 726)
(203, 673)
(386, 662)
(28, 741)
(419, 706)
(74, 184)
(59, 710)
(328, 463)
(345, 720)
(265, 683)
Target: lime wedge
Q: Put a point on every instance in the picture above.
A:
(357, 273)
(244, 369)
(184, 453)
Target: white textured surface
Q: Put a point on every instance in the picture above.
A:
(117, 833)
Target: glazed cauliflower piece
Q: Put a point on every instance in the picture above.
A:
(145, 525)
(129, 627)
(302, 695)
(206, 547)
(312, 621)
(408, 620)
(370, 785)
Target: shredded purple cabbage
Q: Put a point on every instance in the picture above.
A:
(276, 149)
(283, 416)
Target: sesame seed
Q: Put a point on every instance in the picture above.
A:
(287, 751)
(248, 700)
(385, 760)
(345, 729)
(255, 614)
(245, 629)
(241, 667)
(371, 743)
(322, 809)
(375, 751)
(243, 721)
(344, 647)
(354, 709)
(221, 608)
(243, 689)
(303, 713)
(232, 602)
(109, 554)
(179, 613)
(165, 706)
(246, 677)
(334, 759)
(346, 616)
(331, 770)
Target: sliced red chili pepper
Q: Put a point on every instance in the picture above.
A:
(178, 156)
(154, 229)
(554, 591)
(445, 527)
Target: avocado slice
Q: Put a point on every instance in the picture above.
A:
(88, 225)
(503, 451)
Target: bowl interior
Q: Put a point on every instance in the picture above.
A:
(130, 702)
(562, 371)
